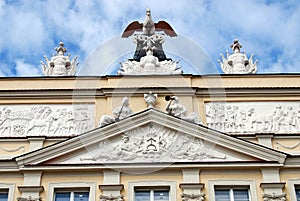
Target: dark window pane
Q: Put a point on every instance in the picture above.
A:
(142, 196)
(161, 195)
(240, 195)
(298, 194)
(3, 196)
(62, 196)
(81, 196)
(222, 195)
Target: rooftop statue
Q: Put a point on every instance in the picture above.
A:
(149, 37)
(60, 64)
(237, 62)
(149, 56)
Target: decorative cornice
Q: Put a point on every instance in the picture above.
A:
(31, 188)
(272, 185)
(191, 185)
(116, 187)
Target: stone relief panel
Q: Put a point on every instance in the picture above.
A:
(45, 120)
(153, 144)
(253, 117)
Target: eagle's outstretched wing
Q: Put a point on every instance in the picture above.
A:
(131, 28)
(165, 27)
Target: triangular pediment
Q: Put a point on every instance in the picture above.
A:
(151, 136)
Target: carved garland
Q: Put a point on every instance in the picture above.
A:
(274, 197)
(192, 197)
(111, 198)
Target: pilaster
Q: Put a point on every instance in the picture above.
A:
(31, 187)
(111, 187)
(272, 186)
(191, 186)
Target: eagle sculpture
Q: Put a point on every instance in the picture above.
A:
(148, 27)
(148, 38)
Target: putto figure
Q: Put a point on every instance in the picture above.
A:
(60, 64)
(237, 62)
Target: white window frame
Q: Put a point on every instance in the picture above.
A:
(292, 188)
(231, 184)
(72, 185)
(152, 185)
(10, 188)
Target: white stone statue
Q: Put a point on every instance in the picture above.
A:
(150, 99)
(149, 56)
(237, 62)
(118, 113)
(176, 109)
(59, 64)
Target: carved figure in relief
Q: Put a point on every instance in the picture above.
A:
(278, 118)
(290, 118)
(230, 118)
(156, 144)
(118, 113)
(6, 123)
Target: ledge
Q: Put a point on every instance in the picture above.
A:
(31, 188)
(191, 185)
(112, 187)
(272, 185)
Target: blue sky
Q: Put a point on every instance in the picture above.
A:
(31, 29)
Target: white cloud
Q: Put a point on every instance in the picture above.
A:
(25, 69)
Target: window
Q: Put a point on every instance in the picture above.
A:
(232, 194)
(72, 191)
(152, 191)
(71, 196)
(232, 190)
(6, 191)
(152, 195)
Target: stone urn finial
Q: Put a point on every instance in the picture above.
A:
(60, 64)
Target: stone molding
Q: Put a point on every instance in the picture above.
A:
(31, 188)
(272, 185)
(111, 187)
(191, 186)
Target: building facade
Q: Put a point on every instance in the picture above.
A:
(150, 133)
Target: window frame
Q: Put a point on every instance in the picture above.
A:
(292, 188)
(72, 187)
(10, 188)
(152, 185)
(233, 184)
